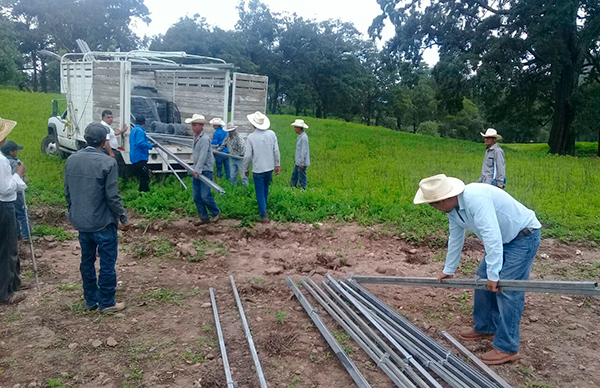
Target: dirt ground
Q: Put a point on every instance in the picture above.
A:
(166, 336)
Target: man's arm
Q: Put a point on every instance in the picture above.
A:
(248, 156)
(67, 192)
(8, 183)
(224, 144)
(204, 149)
(276, 154)
(486, 222)
(144, 141)
(304, 152)
(500, 168)
(455, 246)
(111, 190)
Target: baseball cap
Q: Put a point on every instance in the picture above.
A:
(10, 146)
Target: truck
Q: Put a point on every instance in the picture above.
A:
(164, 87)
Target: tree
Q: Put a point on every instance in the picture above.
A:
(10, 59)
(549, 41)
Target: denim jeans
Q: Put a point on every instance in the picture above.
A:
(262, 180)
(203, 197)
(222, 162)
(500, 313)
(235, 167)
(100, 291)
(22, 229)
(299, 176)
(9, 253)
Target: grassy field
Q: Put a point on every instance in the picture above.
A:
(363, 174)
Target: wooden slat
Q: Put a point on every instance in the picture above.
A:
(250, 77)
(251, 85)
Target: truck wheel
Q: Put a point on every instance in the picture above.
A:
(50, 146)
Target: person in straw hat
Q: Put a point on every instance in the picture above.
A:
(262, 151)
(302, 158)
(221, 161)
(203, 165)
(237, 147)
(511, 237)
(10, 184)
(493, 170)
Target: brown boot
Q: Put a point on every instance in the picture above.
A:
(16, 298)
(496, 357)
(472, 335)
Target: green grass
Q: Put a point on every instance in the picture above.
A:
(359, 174)
(46, 230)
(165, 295)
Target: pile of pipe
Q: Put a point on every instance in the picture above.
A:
(168, 128)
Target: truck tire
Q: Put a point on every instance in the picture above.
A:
(50, 146)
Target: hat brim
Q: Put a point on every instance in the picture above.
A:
(295, 125)
(458, 187)
(195, 121)
(6, 126)
(264, 126)
(497, 137)
(229, 129)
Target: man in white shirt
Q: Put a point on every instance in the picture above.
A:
(112, 145)
(262, 151)
(10, 184)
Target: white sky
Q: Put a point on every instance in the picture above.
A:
(222, 13)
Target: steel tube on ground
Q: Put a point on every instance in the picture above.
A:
(213, 301)
(335, 346)
(259, 372)
(361, 339)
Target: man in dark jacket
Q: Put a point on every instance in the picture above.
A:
(95, 209)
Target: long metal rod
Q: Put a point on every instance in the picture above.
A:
(476, 361)
(173, 170)
(226, 154)
(189, 169)
(35, 269)
(238, 301)
(556, 287)
(213, 301)
(335, 346)
(357, 335)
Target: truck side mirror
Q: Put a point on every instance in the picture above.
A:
(54, 108)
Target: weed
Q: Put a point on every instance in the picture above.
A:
(165, 295)
(204, 248)
(342, 337)
(69, 287)
(192, 358)
(257, 280)
(280, 315)
(46, 230)
(307, 326)
(78, 308)
(136, 374)
(207, 327)
(295, 379)
(525, 371)
(533, 384)
(28, 274)
(55, 383)
(13, 316)
(439, 256)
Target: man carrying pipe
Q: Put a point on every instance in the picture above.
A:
(511, 237)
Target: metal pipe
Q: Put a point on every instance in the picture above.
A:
(213, 301)
(173, 170)
(259, 372)
(226, 154)
(35, 269)
(335, 346)
(476, 361)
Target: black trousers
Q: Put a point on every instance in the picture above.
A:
(141, 171)
(9, 252)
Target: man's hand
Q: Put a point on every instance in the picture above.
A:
(444, 276)
(301, 167)
(20, 170)
(125, 227)
(492, 286)
(277, 170)
(247, 173)
(196, 175)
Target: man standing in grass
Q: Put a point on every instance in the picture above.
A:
(138, 152)
(262, 151)
(112, 144)
(237, 147)
(10, 149)
(95, 210)
(302, 158)
(10, 184)
(493, 170)
(203, 165)
(511, 237)
(221, 161)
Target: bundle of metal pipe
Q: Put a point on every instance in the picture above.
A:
(187, 141)
(554, 287)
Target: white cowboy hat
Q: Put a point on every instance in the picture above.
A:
(437, 188)
(217, 121)
(5, 127)
(196, 118)
(230, 127)
(491, 132)
(299, 123)
(259, 120)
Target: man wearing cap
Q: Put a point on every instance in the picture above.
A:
(203, 165)
(236, 147)
(493, 170)
(221, 161)
(10, 149)
(302, 158)
(95, 210)
(112, 145)
(10, 184)
(138, 152)
(511, 236)
(262, 151)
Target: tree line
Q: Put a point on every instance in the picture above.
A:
(529, 68)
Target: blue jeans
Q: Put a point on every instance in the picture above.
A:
(100, 291)
(203, 197)
(22, 229)
(500, 313)
(235, 166)
(262, 180)
(222, 162)
(299, 176)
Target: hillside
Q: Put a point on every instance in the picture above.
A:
(360, 174)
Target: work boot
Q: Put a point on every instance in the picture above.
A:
(472, 335)
(496, 357)
(265, 220)
(216, 218)
(16, 298)
(113, 309)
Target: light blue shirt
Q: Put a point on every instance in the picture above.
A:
(494, 216)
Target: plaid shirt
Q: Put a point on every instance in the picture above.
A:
(235, 144)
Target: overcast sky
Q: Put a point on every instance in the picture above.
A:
(222, 13)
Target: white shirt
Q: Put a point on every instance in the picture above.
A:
(9, 183)
(110, 137)
(262, 151)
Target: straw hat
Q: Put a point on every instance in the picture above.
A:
(259, 120)
(196, 119)
(230, 127)
(217, 121)
(491, 132)
(5, 127)
(437, 188)
(299, 123)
